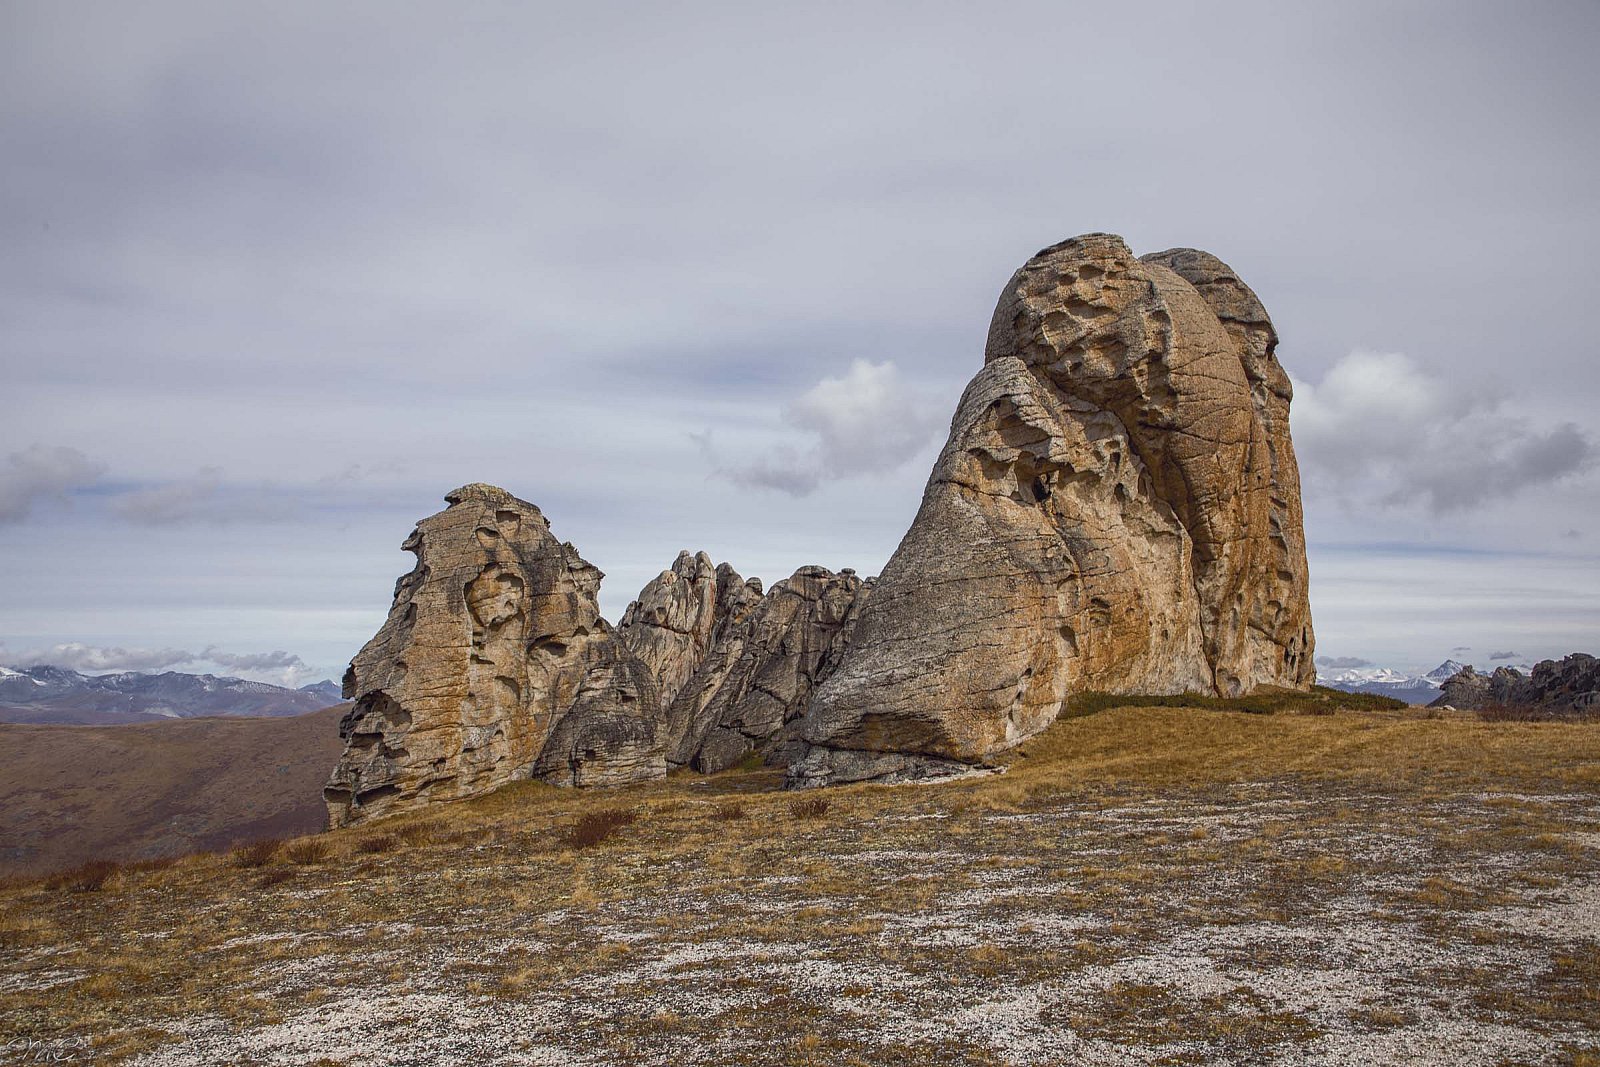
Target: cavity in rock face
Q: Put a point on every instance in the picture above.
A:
(1116, 509)
(494, 664)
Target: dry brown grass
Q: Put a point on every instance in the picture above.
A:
(91, 877)
(276, 876)
(810, 807)
(1521, 713)
(308, 851)
(256, 853)
(377, 844)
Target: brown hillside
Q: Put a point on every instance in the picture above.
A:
(74, 793)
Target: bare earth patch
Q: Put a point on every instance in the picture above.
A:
(1154, 886)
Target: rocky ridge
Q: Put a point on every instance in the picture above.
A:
(755, 683)
(1571, 683)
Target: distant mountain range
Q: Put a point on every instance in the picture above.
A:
(1388, 682)
(57, 695)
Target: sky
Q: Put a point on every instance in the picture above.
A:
(712, 276)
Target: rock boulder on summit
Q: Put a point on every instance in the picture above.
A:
(1116, 509)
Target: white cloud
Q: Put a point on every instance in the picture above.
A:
(40, 473)
(1381, 427)
(80, 657)
(871, 420)
(201, 498)
(279, 667)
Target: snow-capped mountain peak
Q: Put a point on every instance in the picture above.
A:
(1445, 671)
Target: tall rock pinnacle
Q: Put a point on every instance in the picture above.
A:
(1117, 509)
(494, 665)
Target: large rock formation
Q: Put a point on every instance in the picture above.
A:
(1117, 509)
(1570, 684)
(494, 664)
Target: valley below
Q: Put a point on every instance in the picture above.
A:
(1140, 886)
(157, 790)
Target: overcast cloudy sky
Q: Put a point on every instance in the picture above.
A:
(278, 276)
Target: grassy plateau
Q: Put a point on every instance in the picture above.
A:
(1299, 881)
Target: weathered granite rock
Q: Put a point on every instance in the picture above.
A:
(669, 627)
(494, 664)
(1274, 575)
(1469, 690)
(757, 679)
(1117, 509)
(681, 614)
(1568, 684)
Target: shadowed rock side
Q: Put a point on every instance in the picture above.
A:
(736, 669)
(1117, 509)
(755, 682)
(494, 664)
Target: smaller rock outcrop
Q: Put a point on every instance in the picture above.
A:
(681, 614)
(494, 664)
(764, 656)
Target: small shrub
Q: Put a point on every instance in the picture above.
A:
(374, 845)
(810, 807)
(256, 853)
(89, 878)
(728, 812)
(307, 851)
(276, 876)
(596, 826)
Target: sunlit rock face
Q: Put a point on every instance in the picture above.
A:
(1117, 509)
(494, 664)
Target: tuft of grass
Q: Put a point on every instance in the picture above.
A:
(730, 812)
(377, 844)
(308, 851)
(256, 853)
(596, 826)
(810, 807)
(418, 833)
(276, 876)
